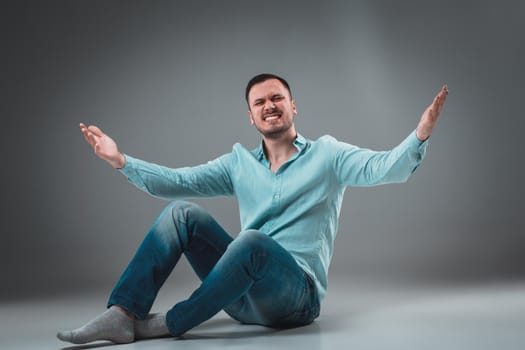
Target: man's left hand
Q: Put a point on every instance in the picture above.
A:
(431, 114)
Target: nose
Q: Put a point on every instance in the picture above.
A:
(269, 105)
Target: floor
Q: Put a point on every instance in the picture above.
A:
(355, 315)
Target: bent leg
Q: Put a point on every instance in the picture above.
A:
(256, 277)
(181, 227)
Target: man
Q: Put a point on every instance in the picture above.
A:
(290, 192)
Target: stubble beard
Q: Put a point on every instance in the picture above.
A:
(275, 133)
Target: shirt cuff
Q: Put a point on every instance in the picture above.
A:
(128, 166)
(421, 146)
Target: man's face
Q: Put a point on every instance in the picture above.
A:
(271, 108)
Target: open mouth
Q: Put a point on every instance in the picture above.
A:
(272, 116)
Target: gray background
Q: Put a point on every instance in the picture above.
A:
(166, 79)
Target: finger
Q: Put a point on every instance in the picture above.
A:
(83, 128)
(88, 132)
(435, 102)
(95, 130)
(84, 131)
(439, 101)
(86, 136)
(89, 136)
(444, 92)
(443, 95)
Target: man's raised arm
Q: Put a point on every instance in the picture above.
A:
(103, 146)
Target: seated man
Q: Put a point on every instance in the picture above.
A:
(290, 191)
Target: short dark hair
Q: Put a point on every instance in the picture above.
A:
(262, 78)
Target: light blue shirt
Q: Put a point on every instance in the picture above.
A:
(299, 205)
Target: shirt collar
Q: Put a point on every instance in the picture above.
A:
(299, 143)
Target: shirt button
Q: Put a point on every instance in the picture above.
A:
(276, 196)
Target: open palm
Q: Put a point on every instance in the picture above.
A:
(103, 145)
(431, 114)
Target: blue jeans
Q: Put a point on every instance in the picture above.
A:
(252, 277)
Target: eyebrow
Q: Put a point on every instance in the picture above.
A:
(260, 99)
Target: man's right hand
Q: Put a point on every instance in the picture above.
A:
(103, 146)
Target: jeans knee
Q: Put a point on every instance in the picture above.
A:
(173, 222)
(182, 208)
(252, 239)
(254, 246)
(254, 235)
(187, 213)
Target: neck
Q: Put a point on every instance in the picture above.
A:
(279, 149)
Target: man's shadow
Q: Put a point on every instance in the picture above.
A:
(224, 328)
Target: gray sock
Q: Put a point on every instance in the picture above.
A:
(113, 325)
(153, 326)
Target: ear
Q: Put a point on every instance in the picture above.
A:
(251, 117)
(294, 108)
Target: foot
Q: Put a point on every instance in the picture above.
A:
(153, 326)
(113, 325)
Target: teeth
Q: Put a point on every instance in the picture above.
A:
(271, 118)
